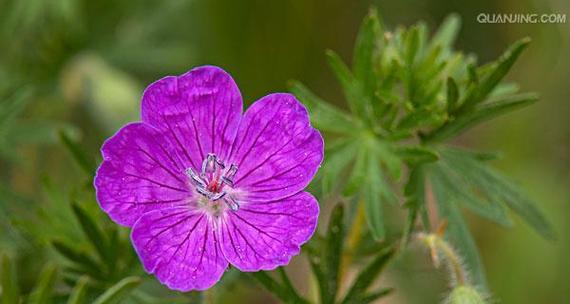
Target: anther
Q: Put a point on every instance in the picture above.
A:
(232, 203)
(216, 196)
(228, 177)
(209, 164)
(196, 180)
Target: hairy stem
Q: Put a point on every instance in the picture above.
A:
(438, 246)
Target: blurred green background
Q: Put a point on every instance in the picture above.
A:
(81, 66)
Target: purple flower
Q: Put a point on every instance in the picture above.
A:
(204, 186)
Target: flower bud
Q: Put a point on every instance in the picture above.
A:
(464, 294)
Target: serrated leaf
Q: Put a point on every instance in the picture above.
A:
(324, 116)
(92, 232)
(481, 113)
(79, 292)
(9, 282)
(352, 89)
(367, 43)
(486, 85)
(459, 235)
(43, 291)
(119, 291)
(368, 275)
(461, 191)
(417, 154)
(500, 188)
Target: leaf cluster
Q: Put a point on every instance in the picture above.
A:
(409, 94)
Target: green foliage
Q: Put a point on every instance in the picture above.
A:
(407, 94)
(43, 291)
(325, 262)
(9, 282)
(357, 292)
(119, 291)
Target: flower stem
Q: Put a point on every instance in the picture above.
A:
(353, 239)
(438, 246)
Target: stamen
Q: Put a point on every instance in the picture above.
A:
(217, 196)
(209, 164)
(220, 163)
(211, 180)
(229, 176)
(196, 180)
(232, 203)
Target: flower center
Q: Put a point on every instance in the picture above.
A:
(215, 182)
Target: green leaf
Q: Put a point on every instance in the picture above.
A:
(452, 94)
(459, 235)
(331, 255)
(9, 282)
(85, 162)
(43, 291)
(79, 258)
(417, 154)
(324, 116)
(13, 105)
(79, 292)
(92, 232)
(415, 200)
(473, 75)
(478, 93)
(499, 188)
(289, 288)
(336, 161)
(460, 191)
(357, 101)
(481, 113)
(119, 291)
(372, 200)
(447, 32)
(367, 42)
(368, 275)
(412, 42)
(373, 296)
(271, 285)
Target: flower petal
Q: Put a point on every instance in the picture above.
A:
(198, 111)
(276, 149)
(140, 172)
(180, 246)
(263, 236)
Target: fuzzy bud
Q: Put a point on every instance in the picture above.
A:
(464, 294)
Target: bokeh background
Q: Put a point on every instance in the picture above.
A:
(82, 66)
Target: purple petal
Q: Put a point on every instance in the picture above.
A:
(198, 111)
(263, 236)
(140, 173)
(181, 247)
(276, 149)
